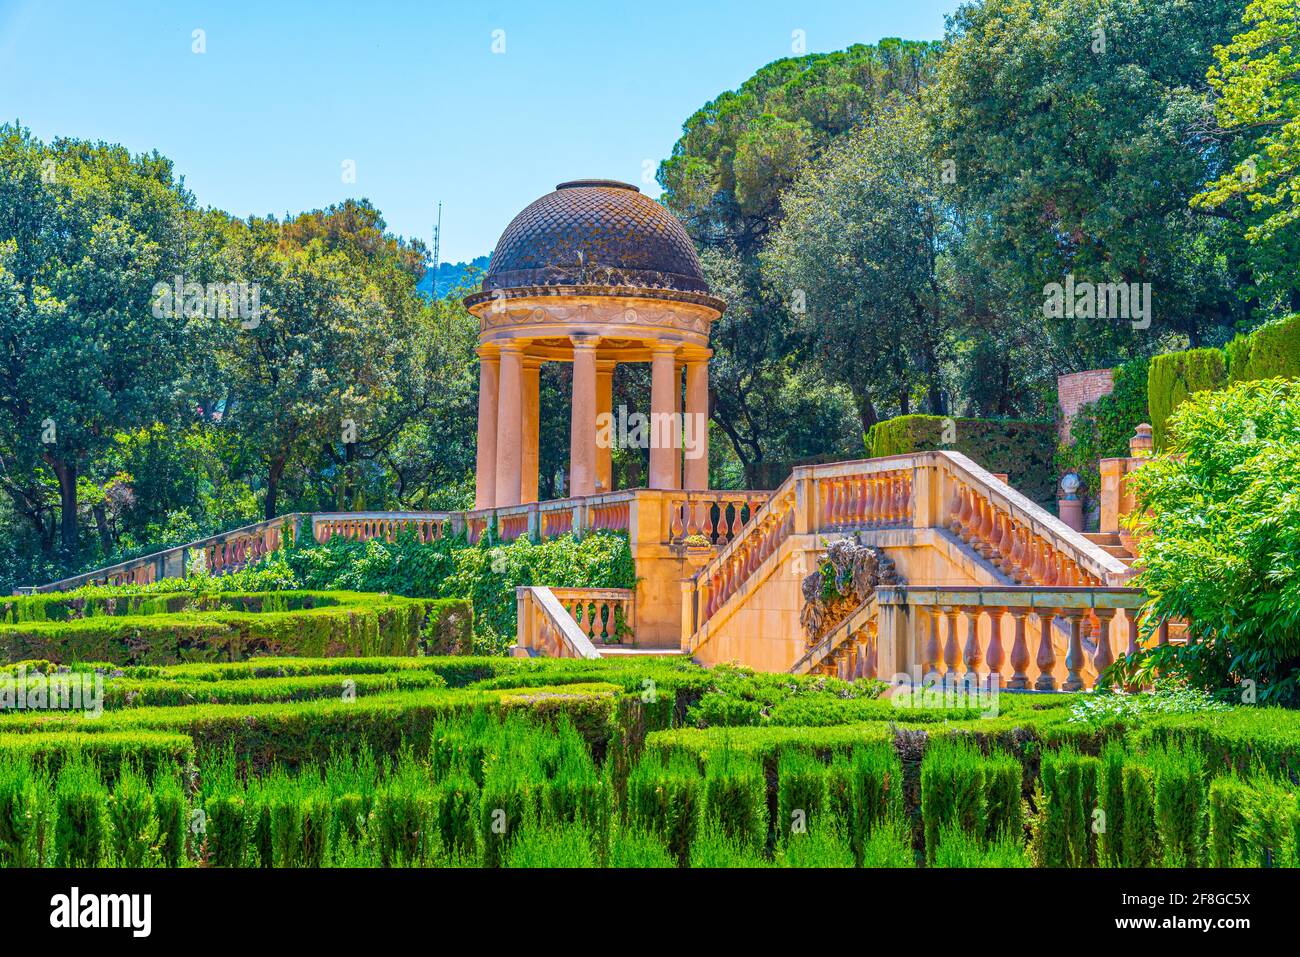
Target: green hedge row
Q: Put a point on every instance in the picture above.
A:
(207, 628)
(1176, 375)
(1271, 351)
(1021, 450)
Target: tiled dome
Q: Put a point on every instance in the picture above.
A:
(595, 232)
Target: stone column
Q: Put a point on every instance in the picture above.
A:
(531, 418)
(582, 424)
(510, 425)
(665, 461)
(697, 424)
(605, 407)
(485, 473)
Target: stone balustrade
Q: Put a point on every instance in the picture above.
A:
(605, 615)
(1015, 633)
(546, 628)
(725, 575)
(717, 516)
(364, 526)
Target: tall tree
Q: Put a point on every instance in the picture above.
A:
(858, 255)
(1257, 79)
(1076, 130)
(88, 230)
(725, 179)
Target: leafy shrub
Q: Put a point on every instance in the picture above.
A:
(541, 845)
(735, 798)
(81, 837)
(1228, 798)
(1180, 804)
(1220, 546)
(456, 804)
(802, 795)
(485, 574)
(24, 813)
(821, 846)
(957, 848)
(665, 798)
(1021, 450)
(1110, 798)
(1172, 378)
(1270, 825)
(714, 849)
(1271, 351)
(635, 848)
(1141, 847)
(888, 845)
(952, 791)
(1167, 696)
(1069, 788)
(401, 820)
(133, 825)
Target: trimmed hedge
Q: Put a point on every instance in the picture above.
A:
(1102, 429)
(1174, 376)
(166, 629)
(151, 751)
(1270, 352)
(1021, 450)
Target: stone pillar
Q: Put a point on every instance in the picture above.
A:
(605, 407)
(665, 462)
(531, 418)
(510, 426)
(582, 424)
(485, 473)
(697, 424)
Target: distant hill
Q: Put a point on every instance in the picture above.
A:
(451, 275)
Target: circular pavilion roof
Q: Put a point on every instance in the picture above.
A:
(593, 233)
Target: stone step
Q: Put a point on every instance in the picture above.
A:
(1102, 538)
(620, 651)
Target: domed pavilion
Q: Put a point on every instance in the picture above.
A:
(594, 273)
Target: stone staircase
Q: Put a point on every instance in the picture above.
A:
(1111, 544)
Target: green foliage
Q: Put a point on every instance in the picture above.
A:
(634, 848)
(1228, 797)
(485, 574)
(735, 798)
(1020, 450)
(1220, 527)
(665, 798)
(168, 628)
(822, 846)
(888, 845)
(802, 794)
(952, 791)
(1141, 846)
(957, 848)
(1259, 102)
(81, 827)
(133, 823)
(1069, 789)
(1271, 351)
(1180, 804)
(24, 812)
(539, 845)
(1173, 377)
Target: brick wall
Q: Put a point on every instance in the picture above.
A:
(1076, 390)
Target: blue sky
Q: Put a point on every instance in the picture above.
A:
(286, 92)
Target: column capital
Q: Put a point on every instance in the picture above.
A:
(665, 348)
(700, 358)
(513, 346)
(488, 350)
(584, 342)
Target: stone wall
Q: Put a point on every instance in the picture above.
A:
(1076, 390)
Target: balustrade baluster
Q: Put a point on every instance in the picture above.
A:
(951, 652)
(995, 656)
(1074, 652)
(1103, 658)
(1046, 653)
(972, 654)
(931, 651)
(954, 508)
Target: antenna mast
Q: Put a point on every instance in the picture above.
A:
(437, 250)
